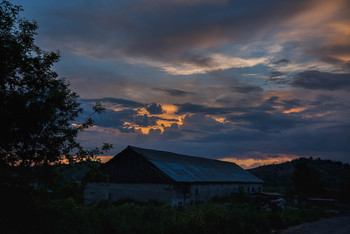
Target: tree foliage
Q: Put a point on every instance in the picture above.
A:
(307, 180)
(37, 107)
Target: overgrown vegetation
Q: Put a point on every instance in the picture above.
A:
(240, 214)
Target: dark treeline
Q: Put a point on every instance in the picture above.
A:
(311, 177)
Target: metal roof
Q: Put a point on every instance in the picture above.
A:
(182, 168)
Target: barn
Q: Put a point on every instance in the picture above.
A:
(150, 175)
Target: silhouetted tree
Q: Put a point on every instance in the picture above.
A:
(37, 108)
(344, 191)
(307, 181)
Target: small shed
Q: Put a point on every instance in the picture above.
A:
(151, 175)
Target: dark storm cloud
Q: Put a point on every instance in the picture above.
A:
(281, 62)
(277, 77)
(263, 118)
(145, 120)
(330, 103)
(117, 101)
(170, 31)
(346, 67)
(331, 60)
(112, 119)
(274, 131)
(335, 52)
(275, 74)
(320, 141)
(339, 49)
(201, 109)
(322, 100)
(155, 109)
(266, 122)
(321, 80)
(186, 108)
(268, 105)
(173, 92)
(256, 128)
(247, 89)
(291, 103)
(334, 138)
(200, 125)
(180, 27)
(118, 118)
(236, 136)
(198, 60)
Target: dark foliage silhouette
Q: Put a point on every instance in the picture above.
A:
(37, 107)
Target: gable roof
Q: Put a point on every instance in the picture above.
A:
(182, 168)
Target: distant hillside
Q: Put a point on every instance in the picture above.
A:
(333, 173)
(76, 171)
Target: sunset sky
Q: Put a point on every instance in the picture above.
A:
(250, 81)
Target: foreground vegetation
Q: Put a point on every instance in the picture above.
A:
(58, 208)
(42, 214)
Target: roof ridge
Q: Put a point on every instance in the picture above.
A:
(190, 156)
(191, 168)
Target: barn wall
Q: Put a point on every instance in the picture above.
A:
(205, 192)
(143, 192)
(175, 194)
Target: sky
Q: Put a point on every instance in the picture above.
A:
(252, 82)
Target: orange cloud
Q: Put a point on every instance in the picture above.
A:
(251, 161)
(167, 119)
(294, 110)
(220, 120)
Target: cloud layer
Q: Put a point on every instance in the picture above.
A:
(223, 79)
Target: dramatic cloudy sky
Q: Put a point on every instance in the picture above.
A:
(249, 81)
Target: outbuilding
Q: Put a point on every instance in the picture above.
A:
(150, 175)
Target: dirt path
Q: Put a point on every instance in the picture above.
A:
(336, 225)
